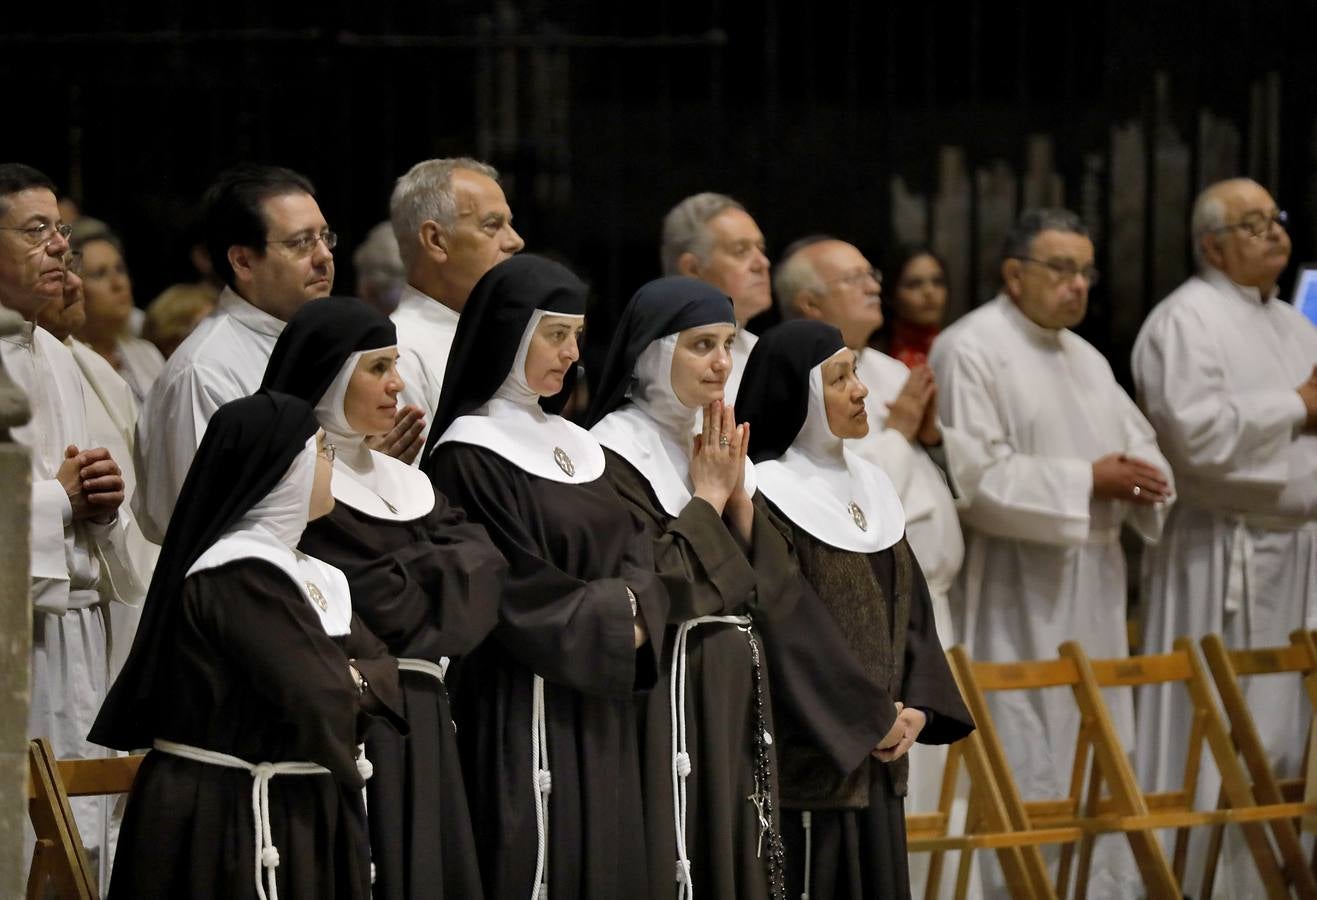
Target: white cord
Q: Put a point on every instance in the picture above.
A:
(539, 749)
(681, 760)
(267, 854)
(437, 671)
(807, 822)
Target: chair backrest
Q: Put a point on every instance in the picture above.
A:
(58, 860)
(1175, 809)
(1228, 667)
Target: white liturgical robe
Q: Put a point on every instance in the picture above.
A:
(1035, 407)
(1217, 367)
(111, 420)
(425, 335)
(222, 360)
(70, 561)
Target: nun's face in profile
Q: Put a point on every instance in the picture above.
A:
(701, 364)
(843, 397)
(554, 349)
(322, 497)
(371, 402)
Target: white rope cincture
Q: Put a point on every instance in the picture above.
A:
(366, 770)
(437, 671)
(807, 822)
(267, 854)
(543, 784)
(681, 760)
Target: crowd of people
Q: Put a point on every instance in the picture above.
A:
(397, 611)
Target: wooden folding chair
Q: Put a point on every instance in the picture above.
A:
(996, 818)
(58, 860)
(1228, 667)
(1130, 810)
(1067, 814)
(988, 826)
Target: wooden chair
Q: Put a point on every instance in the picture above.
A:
(1130, 810)
(1228, 667)
(988, 826)
(996, 818)
(58, 860)
(1096, 740)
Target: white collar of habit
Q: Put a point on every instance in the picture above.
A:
(323, 586)
(534, 441)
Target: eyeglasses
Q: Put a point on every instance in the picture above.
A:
(857, 278)
(306, 244)
(1066, 269)
(1257, 224)
(41, 234)
(73, 262)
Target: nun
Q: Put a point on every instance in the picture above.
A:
(858, 673)
(546, 720)
(250, 681)
(707, 753)
(423, 579)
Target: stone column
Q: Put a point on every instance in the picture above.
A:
(15, 628)
(951, 227)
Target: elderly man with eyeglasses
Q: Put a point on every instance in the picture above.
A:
(1054, 459)
(269, 242)
(1225, 371)
(78, 557)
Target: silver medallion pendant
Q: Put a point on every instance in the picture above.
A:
(857, 515)
(564, 461)
(316, 597)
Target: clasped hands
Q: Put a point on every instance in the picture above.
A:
(902, 736)
(93, 482)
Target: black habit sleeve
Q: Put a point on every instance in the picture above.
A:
(434, 594)
(706, 570)
(928, 682)
(570, 630)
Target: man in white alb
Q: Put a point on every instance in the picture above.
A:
(453, 225)
(77, 537)
(1227, 374)
(1054, 459)
(711, 237)
(269, 242)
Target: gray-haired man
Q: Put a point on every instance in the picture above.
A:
(453, 225)
(711, 237)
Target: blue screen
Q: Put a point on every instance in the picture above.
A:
(1305, 294)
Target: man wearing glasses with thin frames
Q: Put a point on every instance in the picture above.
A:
(269, 242)
(1227, 373)
(77, 539)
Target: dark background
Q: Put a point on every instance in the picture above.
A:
(602, 115)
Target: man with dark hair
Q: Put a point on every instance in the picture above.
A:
(1052, 459)
(76, 532)
(270, 244)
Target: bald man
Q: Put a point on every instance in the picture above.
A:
(1225, 373)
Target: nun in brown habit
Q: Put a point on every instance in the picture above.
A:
(545, 708)
(707, 750)
(424, 579)
(858, 672)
